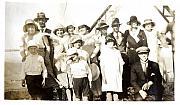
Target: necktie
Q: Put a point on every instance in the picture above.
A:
(145, 68)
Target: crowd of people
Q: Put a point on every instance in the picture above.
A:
(62, 64)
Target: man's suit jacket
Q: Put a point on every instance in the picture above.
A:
(138, 77)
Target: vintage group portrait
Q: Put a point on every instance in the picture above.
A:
(90, 50)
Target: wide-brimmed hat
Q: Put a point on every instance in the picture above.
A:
(95, 71)
(29, 22)
(71, 51)
(133, 19)
(75, 39)
(83, 26)
(110, 39)
(60, 26)
(148, 21)
(41, 15)
(142, 49)
(102, 25)
(115, 22)
(32, 43)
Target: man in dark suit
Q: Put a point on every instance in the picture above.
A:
(51, 86)
(146, 78)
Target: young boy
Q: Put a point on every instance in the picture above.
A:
(81, 73)
(34, 71)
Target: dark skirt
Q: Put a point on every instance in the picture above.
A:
(34, 84)
(133, 56)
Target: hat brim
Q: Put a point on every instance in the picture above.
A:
(105, 26)
(152, 24)
(82, 42)
(129, 22)
(36, 19)
(117, 24)
(24, 27)
(143, 52)
(58, 29)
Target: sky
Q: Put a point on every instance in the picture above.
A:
(76, 12)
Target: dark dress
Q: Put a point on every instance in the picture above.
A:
(133, 45)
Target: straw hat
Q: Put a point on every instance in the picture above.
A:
(148, 21)
(29, 22)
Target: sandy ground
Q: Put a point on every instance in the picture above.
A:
(14, 91)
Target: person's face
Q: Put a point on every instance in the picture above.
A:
(71, 30)
(148, 27)
(31, 29)
(33, 50)
(115, 28)
(42, 22)
(82, 31)
(134, 24)
(104, 31)
(110, 44)
(77, 44)
(60, 32)
(143, 56)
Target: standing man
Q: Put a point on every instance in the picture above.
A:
(146, 78)
(118, 35)
(51, 85)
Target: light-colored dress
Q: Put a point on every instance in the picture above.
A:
(152, 40)
(111, 64)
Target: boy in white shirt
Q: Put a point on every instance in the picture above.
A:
(81, 73)
(34, 72)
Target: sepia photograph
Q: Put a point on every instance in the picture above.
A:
(89, 50)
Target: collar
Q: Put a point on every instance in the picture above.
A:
(144, 62)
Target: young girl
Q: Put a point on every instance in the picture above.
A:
(111, 64)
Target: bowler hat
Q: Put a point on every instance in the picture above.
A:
(148, 21)
(28, 22)
(102, 25)
(116, 22)
(142, 49)
(83, 26)
(133, 19)
(40, 15)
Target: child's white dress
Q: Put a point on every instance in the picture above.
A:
(111, 64)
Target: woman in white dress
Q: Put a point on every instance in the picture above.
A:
(152, 39)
